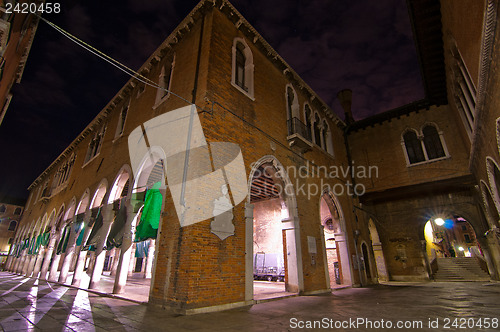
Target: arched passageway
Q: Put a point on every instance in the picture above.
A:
(453, 249)
(272, 238)
(337, 254)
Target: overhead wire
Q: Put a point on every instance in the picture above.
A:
(110, 60)
(151, 83)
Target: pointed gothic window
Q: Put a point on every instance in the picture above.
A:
(242, 67)
(432, 142)
(413, 147)
(317, 130)
(307, 115)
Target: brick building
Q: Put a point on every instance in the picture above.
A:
(11, 211)
(17, 31)
(326, 202)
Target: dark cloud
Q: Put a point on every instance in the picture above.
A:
(363, 45)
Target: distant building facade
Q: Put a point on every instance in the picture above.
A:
(327, 202)
(11, 211)
(17, 31)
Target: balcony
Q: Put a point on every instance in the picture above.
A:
(298, 135)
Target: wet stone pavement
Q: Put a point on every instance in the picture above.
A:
(27, 304)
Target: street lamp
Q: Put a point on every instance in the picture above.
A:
(439, 221)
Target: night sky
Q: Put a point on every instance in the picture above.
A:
(364, 45)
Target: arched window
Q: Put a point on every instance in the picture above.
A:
(165, 81)
(95, 143)
(308, 123)
(327, 138)
(2, 208)
(121, 121)
(317, 130)
(324, 135)
(432, 142)
(17, 211)
(243, 67)
(464, 90)
(12, 225)
(292, 111)
(240, 67)
(290, 98)
(413, 147)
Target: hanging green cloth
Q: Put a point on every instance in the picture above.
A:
(79, 221)
(94, 233)
(142, 249)
(79, 227)
(115, 236)
(37, 245)
(26, 243)
(45, 239)
(63, 242)
(93, 215)
(150, 217)
(31, 245)
(79, 239)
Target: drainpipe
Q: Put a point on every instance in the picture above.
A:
(345, 98)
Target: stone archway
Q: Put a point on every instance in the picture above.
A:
(336, 245)
(270, 189)
(378, 252)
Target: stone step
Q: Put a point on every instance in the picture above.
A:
(459, 269)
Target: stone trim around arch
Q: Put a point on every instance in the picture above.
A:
(103, 185)
(491, 164)
(118, 182)
(248, 74)
(485, 190)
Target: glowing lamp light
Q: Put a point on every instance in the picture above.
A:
(461, 248)
(439, 221)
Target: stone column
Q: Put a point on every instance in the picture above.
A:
(149, 260)
(131, 265)
(249, 252)
(425, 260)
(491, 252)
(81, 255)
(126, 247)
(55, 260)
(380, 262)
(90, 267)
(114, 265)
(19, 262)
(70, 250)
(10, 258)
(48, 254)
(30, 264)
(100, 253)
(38, 263)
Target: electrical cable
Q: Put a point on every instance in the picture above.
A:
(151, 83)
(110, 60)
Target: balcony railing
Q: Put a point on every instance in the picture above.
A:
(295, 126)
